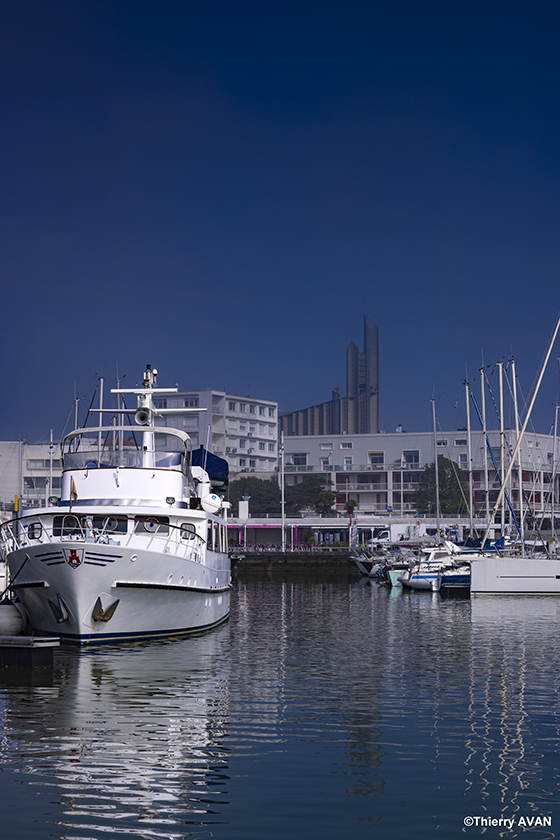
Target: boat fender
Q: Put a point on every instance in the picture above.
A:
(12, 619)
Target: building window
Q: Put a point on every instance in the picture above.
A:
(411, 456)
(348, 461)
(242, 462)
(461, 442)
(252, 409)
(347, 445)
(262, 447)
(262, 410)
(242, 444)
(252, 464)
(326, 446)
(243, 427)
(272, 412)
(35, 483)
(271, 447)
(231, 406)
(300, 459)
(243, 407)
(376, 457)
(191, 402)
(463, 462)
(160, 403)
(40, 464)
(442, 443)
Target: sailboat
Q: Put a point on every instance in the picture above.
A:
(511, 572)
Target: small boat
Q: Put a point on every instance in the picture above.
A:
(368, 564)
(455, 581)
(136, 547)
(398, 565)
(424, 574)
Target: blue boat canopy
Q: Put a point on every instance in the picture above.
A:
(217, 468)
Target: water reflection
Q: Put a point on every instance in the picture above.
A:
(341, 707)
(123, 733)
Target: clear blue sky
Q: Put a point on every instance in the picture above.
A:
(223, 189)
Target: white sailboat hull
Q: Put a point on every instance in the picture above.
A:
(492, 575)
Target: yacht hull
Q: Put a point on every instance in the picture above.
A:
(117, 593)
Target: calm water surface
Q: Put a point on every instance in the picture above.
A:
(322, 709)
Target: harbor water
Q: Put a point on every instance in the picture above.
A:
(330, 708)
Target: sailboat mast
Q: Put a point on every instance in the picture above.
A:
(436, 467)
(502, 445)
(519, 467)
(553, 477)
(483, 401)
(525, 424)
(469, 450)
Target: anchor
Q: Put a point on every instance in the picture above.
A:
(99, 614)
(59, 609)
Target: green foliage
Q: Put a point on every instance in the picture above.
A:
(310, 493)
(451, 480)
(266, 498)
(264, 493)
(349, 506)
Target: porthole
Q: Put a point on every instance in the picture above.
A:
(151, 526)
(70, 524)
(34, 530)
(110, 523)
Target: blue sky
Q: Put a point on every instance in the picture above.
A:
(224, 189)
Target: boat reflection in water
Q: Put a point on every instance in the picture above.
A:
(130, 737)
(321, 709)
(514, 708)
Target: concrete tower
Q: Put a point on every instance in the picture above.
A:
(362, 383)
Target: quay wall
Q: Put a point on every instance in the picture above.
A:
(323, 563)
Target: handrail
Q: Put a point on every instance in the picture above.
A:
(166, 430)
(103, 532)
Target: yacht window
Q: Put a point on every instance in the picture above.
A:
(188, 531)
(66, 525)
(110, 524)
(152, 525)
(34, 530)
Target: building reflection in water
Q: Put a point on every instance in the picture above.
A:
(349, 702)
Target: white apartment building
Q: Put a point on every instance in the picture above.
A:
(243, 430)
(382, 471)
(30, 473)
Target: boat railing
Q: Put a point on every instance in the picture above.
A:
(97, 529)
(91, 459)
(106, 446)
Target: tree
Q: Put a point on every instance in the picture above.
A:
(310, 493)
(453, 488)
(349, 506)
(264, 493)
